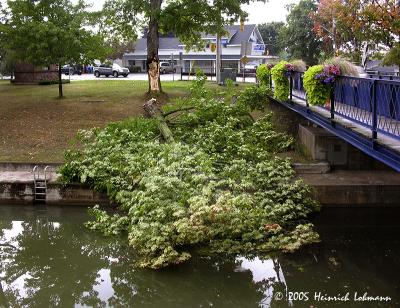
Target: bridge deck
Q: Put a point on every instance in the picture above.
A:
(383, 139)
(364, 112)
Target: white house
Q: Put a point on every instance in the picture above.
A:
(236, 45)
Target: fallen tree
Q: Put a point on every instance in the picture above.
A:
(213, 181)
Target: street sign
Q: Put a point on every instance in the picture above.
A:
(213, 47)
(244, 60)
(257, 49)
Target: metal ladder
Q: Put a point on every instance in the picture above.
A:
(40, 184)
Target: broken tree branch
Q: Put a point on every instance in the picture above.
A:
(177, 110)
(154, 111)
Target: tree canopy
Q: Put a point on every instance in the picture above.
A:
(393, 56)
(298, 38)
(270, 33)
(187, 19)
(354, 23)
(51, 32)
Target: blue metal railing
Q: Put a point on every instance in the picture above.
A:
(373, 103)
(385, 77)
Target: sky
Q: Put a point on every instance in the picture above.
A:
(259, 12)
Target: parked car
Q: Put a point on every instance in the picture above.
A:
(108, 70)
(72, 69)
(166, 67)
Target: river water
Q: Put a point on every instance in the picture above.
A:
(49, 259)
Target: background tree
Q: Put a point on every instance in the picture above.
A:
(355, 25)
(118, 48)
(51, 32)
(393, 56)
(297, 36)
(270, 34)
(185, 18)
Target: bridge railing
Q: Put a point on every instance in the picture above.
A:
(373, 103)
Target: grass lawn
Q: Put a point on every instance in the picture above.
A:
(36, 126)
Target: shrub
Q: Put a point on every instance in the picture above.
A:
(50, 82)
(135, 69)
(280, 75)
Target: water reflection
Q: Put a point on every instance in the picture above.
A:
(48, 259)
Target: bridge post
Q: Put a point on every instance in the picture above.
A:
(374, 111)
(332, 98)
(291, 87)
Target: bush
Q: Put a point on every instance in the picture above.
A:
(51, 82)
(135, 69)
(317, 92)
(280, 76)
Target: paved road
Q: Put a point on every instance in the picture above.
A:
(143, 76)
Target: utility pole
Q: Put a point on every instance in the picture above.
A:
(334, 35)
(218, 59)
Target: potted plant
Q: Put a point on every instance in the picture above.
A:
(263, 74)
(280, 75)
(318, 83)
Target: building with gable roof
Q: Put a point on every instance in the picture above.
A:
(236, 45)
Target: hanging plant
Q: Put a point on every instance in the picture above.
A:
(280, 75)
(263, 74)
(318, 82)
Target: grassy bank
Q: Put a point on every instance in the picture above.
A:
(37, 126)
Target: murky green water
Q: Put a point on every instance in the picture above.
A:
(48, 259)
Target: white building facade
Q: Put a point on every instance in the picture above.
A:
(236, 46)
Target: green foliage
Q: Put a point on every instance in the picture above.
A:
(358, 22)
(393, 56)
(51, 32)
(220, 186)
(270, 33)
(317, 92)
(263, 74)
(281, 81)
(254, 98)
(44, 33)
(297, 36)
(126, 18)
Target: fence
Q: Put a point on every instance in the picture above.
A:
(373, 103)
(211, 72)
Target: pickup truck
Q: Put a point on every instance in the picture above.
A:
(108, 70)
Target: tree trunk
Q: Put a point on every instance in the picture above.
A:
(153, 61)
(60, 87)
